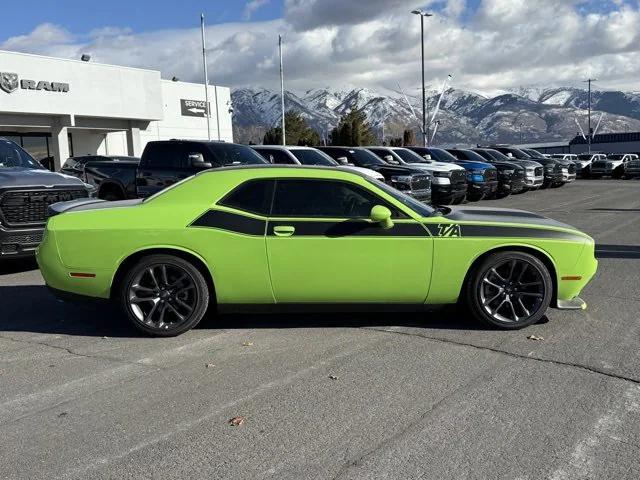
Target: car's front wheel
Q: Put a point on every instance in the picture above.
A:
(509, 290)
(164, 295)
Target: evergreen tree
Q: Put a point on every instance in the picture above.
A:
(353, 130)
(297, 132)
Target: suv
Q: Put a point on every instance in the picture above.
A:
(552, 169)
(613, 166)
(281, 155)
(448, 185)
(568, 165)
(510, 174)
(26, 191)
(533, 171)
(412, 181)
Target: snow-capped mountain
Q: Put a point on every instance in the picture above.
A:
(527, 114)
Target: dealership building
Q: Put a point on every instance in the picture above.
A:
(59, 108)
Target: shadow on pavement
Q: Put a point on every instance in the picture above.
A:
(33, 309)
(618, 251)
(18, 265)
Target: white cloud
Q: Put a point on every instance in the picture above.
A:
(506, 43)
(253, 5)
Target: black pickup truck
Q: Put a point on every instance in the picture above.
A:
(26, 192)
(163, 163)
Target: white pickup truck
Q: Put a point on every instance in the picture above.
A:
(612, 166)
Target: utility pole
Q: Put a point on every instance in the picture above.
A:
(590, 137)
(425, 127)
(284, 142)
(206, 78)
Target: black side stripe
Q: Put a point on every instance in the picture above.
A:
(231, 222)
(348, 228)
(508, 232)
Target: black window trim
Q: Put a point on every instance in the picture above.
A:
(396, 212)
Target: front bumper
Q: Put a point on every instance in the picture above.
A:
(482, 188)
(449, 192)
(552, 177)
(568, 177)
(19, 242)
(533, 182)
(574, 304)
(423, 196)
(510, 186)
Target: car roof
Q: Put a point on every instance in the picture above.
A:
(283, 147)
(282, 169)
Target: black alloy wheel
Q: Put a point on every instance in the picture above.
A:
(510, 290)
(164, 295)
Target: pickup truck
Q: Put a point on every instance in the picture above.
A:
(26, 192)
(612, 166)
(163, 163)
(553, 174)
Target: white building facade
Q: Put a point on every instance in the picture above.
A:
(59, 108)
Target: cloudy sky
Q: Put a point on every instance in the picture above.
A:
(488, 45)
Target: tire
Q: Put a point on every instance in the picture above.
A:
(490, 296)
(171, 295)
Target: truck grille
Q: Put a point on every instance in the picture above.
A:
(572, 168)
(538, 172)
(458, 177)
(29, 207)
(490, 174)
(420, 182)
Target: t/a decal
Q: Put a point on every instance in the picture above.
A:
(449, 230)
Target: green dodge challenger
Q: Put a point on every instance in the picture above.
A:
(269, 235)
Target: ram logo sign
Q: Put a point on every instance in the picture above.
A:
(9, 83)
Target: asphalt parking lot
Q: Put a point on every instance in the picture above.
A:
(348, 396)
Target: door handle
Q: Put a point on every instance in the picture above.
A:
(284, 230)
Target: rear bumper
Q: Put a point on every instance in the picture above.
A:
(19, 242)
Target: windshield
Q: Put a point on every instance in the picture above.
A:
(615, 157)
(233, 154)
(534, 153)
(13, 156)
(364, 158)
(501, 157)
(442, 155)
(418, 207)
(409, 156)
(308, 156)
(473, 156)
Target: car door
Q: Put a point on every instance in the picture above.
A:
(322, 247)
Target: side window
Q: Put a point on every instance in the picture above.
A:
(253, 196)
(165, 155)
(324, 199)
(281, 158)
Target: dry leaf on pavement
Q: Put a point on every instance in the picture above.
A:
(237, 421)
(535, 337)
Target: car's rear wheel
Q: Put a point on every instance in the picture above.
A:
(164, 295)
(510, 290)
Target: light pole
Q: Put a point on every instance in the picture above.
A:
(206, 78)
(590, 139)
(521, 125)
(284, 141)
(425, 131)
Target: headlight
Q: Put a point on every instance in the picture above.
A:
(401, 182)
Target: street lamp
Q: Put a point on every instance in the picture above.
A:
(425, 133)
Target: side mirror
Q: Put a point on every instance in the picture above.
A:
(382, 215)
(426, 156)
(342, 160)
(196, 160)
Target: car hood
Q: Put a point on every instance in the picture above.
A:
(471, 165)
(526, 163)
(31, 177)
(437, 166)
(397, 170)
(503, 215)
(365, 171)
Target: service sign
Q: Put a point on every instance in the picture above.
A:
(193, 108)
